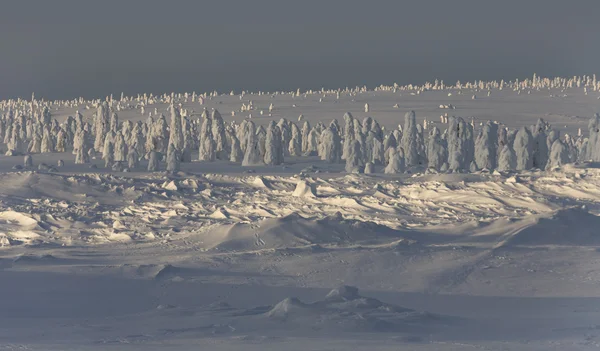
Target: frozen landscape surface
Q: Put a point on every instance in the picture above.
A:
(303, 255)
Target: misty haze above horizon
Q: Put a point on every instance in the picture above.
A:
(67, 49)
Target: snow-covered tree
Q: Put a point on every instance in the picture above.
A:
(436, 149)
(207, 151)
(252, 156)
(236, 154)
(120, 148)
(523, 146)
(153, 161)
(273, 146)
(348, 134)
(485, 147)
(176, 130)
(305, 131)
(133, 158)
(101, 125)
(222, 151)
(396, 162)
(507, 160)
(312, 143)
(540, 146)
(295, 143)
(330, 147)
(409, 140)
(559, 155)
(354, 158)
(173, 159)
(108, 152)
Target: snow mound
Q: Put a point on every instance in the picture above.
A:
(305, 189)
(295, 231)
(566, 227)
(344, 309)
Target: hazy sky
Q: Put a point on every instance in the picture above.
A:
(90, 48)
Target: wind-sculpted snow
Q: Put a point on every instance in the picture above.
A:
(244, 213)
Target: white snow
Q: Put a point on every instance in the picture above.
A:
(452, 240)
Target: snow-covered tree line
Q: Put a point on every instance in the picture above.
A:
(364, 146)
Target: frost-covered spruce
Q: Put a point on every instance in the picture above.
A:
(236, 154)
(207, 149)
(523, 146)
(389, 143)
(273, 146)
(160, 133)
(286, 133)
(354, 158)
(175, 131)
(369, 168)
(436, 150)
(120, 148)
(219, 136)
(137, 139)
(295, 144)
(261, 135)
(457, 144)
(421, 147)
(507, 160)
(367, 124)
(133, 158)
(61, 141)
(348, 134)
(330, 146)
(559, 155)
(396, 162)
(571, 148)
(101, 124)
(35, 145)
(485, 147)
(377, 151)
(305, 131)
(108, 152)
(593, 144)
(553, 135)
(540, 146)
(173, 159)
(410, 142)
(28, 161)
(252, 156)
(312, 143)
(153, 161)
(82, 156)
(114, 122)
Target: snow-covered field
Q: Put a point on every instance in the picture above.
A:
(303, 255)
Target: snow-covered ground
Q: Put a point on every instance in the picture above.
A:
(304, 256)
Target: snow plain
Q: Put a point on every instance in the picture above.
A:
(304, 256)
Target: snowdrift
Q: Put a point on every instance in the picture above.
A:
(295, 231)
(566, 227)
